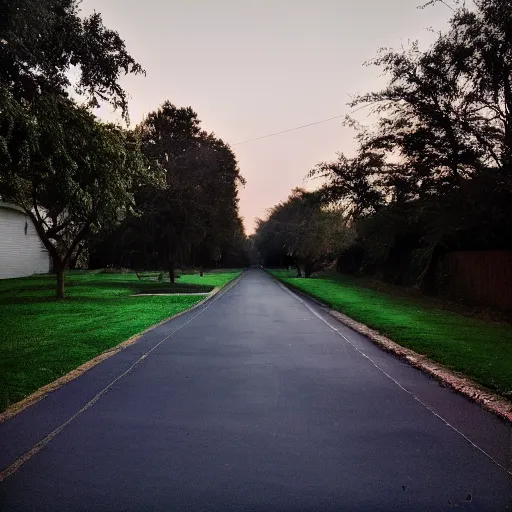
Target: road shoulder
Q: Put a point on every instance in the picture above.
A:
(458, 382)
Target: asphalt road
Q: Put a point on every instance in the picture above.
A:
(256, 402)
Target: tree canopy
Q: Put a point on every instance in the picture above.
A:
(71, 174)
(299, 231)
(189, 216)
(433, 173)
(43, 43)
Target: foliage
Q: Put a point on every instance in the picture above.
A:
(352, 182)
(43, 43)
(83, 182)
(301, 232)
(178, 222)
(435, 172)
(71, 174)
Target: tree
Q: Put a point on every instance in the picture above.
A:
(223, 233)
(169, 140)
(300, 230)
(42, 41)
(197, 208)
(353, 183)
(441, 141)
(434, 173)
(71, 174)
(480, 53)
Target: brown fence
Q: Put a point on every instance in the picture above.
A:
(479, 277)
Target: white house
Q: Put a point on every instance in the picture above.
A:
(22, 252)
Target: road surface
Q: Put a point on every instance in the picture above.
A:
(256, 401)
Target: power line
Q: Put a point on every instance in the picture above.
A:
(286, 131)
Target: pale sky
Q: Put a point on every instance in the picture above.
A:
(253, 67)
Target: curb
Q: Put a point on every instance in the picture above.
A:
(42, 392)
(460, 383)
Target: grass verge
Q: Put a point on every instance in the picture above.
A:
(42, 339)
(479, 349)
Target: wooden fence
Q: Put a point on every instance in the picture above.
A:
(478, 277)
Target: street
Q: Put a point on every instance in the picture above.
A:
(256, 401)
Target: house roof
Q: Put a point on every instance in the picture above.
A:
(10, 206)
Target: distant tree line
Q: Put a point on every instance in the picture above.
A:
(433, 174)
(160, 195)
(300, 232)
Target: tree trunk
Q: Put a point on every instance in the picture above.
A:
(308, 269)
(74, 260)
(59, 270)
(507, 159)
(299, 271)
(172, 274)
(201, 272)
(427, 281)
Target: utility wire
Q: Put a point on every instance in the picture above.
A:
(290, 130)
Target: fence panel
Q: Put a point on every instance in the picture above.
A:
(479, 277)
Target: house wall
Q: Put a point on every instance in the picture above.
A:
(21, 254)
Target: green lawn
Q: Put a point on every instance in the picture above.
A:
(479, 349)
(42, 339)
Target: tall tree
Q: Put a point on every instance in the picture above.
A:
(442, 140)
(71, 174)
(169, 141)
(353, 183)
(478, 47)
(197, 206)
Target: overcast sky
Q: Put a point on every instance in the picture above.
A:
(253, 67)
